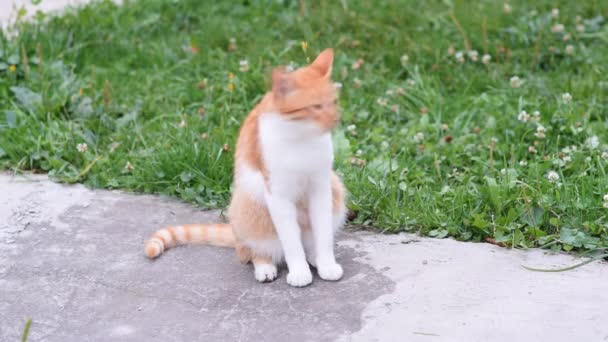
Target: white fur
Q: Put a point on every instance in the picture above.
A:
(265, 272)
(251, 181)
(299, 158)
(167, 236)
(180, 234)
(271, 248)
(309, 248)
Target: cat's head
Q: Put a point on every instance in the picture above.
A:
(308, 94)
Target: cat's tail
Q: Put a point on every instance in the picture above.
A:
(210, 234)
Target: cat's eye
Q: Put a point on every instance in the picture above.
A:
(317, 107)
(335, 102)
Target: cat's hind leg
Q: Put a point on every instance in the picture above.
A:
(264, 269)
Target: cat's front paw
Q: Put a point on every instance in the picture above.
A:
(330, 271)
(300, 277)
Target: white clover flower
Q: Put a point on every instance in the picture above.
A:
(404, 59)
(183, 123)
(592, 142)
(531, 149)
(588, 160)
(485, 59)
(357, 64)
(604, 155)
(523, 116)
(82, 147)
(503, 171)
(129, 166)
(351, 128)
(540, 132)
(523, 163)
(580, 28)
(451, 50)
(555, 13)
(357, 83)
(418, 137)
(410, 82)
(232, 44)
(506, 8)
(606, 205)
(459, 57)
(493, 140)
(389, 92)
(381, 101)
(400, 91)
(557, 28)
(606, 198)
(384, 144)
(566, 97)
(567, 159)
(515, 82)
(358, 152)
(344, 72)
(552, 176)
(244, 65)
(338, 85)
(566, 37)
(569, 49)
(291, 67)
(473, 55)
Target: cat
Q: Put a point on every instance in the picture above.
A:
(287, 201)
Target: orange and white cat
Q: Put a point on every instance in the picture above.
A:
(287, 202)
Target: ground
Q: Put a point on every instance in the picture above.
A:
(72, 259)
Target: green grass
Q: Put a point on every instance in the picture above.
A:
(131, 82)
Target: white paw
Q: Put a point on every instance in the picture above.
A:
(265, 272)
(300, 277)
(330, 271)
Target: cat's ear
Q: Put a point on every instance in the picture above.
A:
(324, 62)
(282, 84)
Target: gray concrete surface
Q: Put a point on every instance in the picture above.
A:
(9, 8)
(72, 259)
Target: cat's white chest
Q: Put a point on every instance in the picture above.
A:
(294, 153)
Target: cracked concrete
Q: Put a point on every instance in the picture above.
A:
(72, 259)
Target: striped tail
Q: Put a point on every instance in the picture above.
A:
(210, 234)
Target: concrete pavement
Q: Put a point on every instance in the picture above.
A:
(72, 259)
(9, 8)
